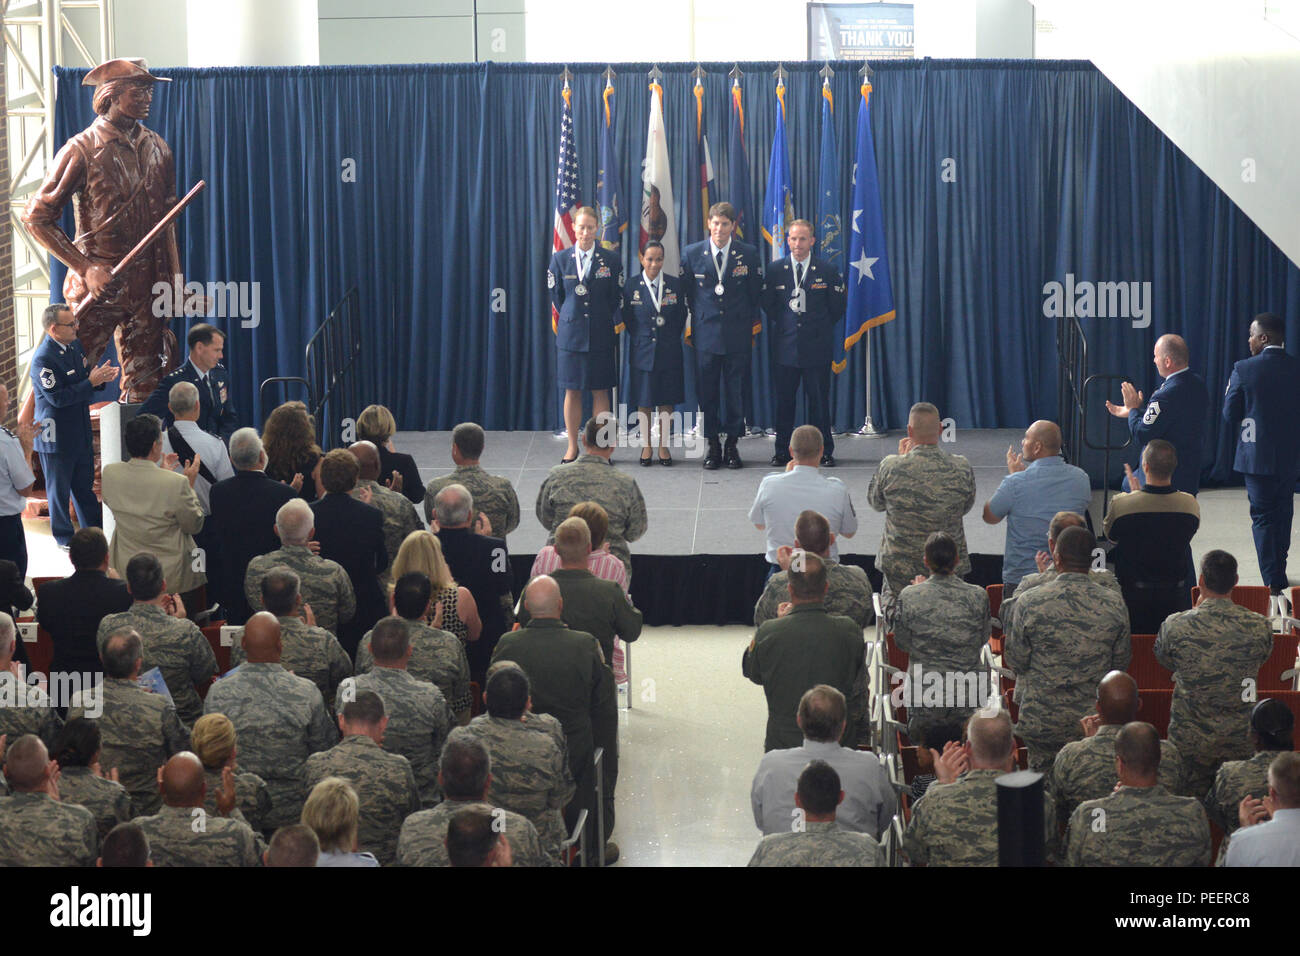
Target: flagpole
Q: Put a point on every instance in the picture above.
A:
(868, 429)
(566, 94)
(613, 399)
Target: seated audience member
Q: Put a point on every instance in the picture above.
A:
(172, 643)
(293, 846)
(455, 609)
(154, 510)
(482, 564)
(15, 597)
(592, 478)
(24, 708)
(1152, 529)
(214, 739)
(934, 741)
(1085, 769)
(530, 769)
(76, 750)
(399, 514)
(819, 842)
(383, 781)
(868, 803)
(472, 840)
(35, 828)
(333, 812)
(1066, 636)
(1211, 649)
(465, 776)
(71, 609)
(781, 497)
(185, 439)
(243, 517)
(1272, 727)
(140, 729)
(1270, 828)
(351, 532)
(943, 624)
(292, 455)
(419, 716)
(1039, 483)
(436, 656)
(280, 718)
(956, 823)
(397, 470)
(125, 846)
(494, 497)
(848, 589)
(922, 489)
(600, 562)
(803, 648)
(324, 584)
(305, 649)
(1145, 824)
(174, 840)
(1047, 566)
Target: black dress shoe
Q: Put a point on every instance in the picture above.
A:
(666, 461)
(646, 460)
(733, 456)
(567, 461)
(713, 460)
(779, 461)
(828, 461)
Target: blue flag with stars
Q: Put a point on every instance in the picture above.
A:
(778, 204)
(609, 191)
(830, 240)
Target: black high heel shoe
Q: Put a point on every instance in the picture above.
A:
(665, 460)
(646, 460)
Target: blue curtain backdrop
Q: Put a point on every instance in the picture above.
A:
(1055, 172)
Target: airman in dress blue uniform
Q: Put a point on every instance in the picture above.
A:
(204, 370)
(655, 312)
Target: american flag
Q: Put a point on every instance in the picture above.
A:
(566, 188)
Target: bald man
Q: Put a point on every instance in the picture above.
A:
(35, 828)
(1085, 769)
(1038, 484)
(1178, 412)
(400, 516)
(182, 833)
(1141, 823)
(326, 587)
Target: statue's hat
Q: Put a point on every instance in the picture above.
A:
(127, 68)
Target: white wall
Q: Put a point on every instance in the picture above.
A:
(252, 32)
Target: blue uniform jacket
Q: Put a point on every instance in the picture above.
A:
(807, 339)
(1178, 411)
(587, 322)
(1262, 404)
(655, 347)
(727, 324)
(63, 393)
(215, 418)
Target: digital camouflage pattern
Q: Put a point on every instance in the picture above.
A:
(848, 592)
(322, 583)
(37, 830)
(956, 824)
(107, 800)
(400, 519)
(1103, 576)
(1085, 770)
(252, 799)
(424, 834)
(592, 478)
(493, 495)
(190, 836)
(1139, 826)
(175, 646)
(819, 844)
(437, 657)
(25, 709)
(310, 652)
(1236, 780)
(384, 784)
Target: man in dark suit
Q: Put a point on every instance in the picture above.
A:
(804, 299)
(1177, 412)
(726, 289)
(63, 389)
(205, 371)
(243, 519)
(1262, 405)
(71, 609)
(478, 562)
(351, 532)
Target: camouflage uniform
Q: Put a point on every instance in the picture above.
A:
(1067, 635)
(819, 844)
(530, 774)
(175, 646)
(1236, 780)
(848, 593)
(436, 657)
(310, 652)
(956, 824)
(323, 584)
(37, 830)
(592, 478)
(492, 494)
(383, 782)
(252, 799)
(418, 721)
(400, 519)
(1008, 608)
(943, 624)
(140, 732)
(1212, 649)
(280, 720)
(1139, 826)
(924, 491)
(424, 834)
(106, 799)
(25, 709)
(1085, 770)
(190, 836)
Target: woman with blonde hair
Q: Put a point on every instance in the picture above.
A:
(454, 608)
(376, 424)
(333, 810)
(213, 742)
(292, 455)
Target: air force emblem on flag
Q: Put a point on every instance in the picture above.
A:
(47, 378)
(1152, 413)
